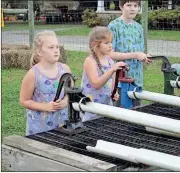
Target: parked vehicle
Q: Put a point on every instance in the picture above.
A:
(53, 17)
(74, 16)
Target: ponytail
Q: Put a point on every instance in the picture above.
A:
(34, 60)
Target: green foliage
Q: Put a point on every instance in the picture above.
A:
(138, 18)
(164, 19)
(111, 18)
(161, 19)
(90, 18)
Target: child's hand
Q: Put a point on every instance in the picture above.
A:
(50, 107)
(149, 60)
(116, 97)
(118, 65)
(58, 105)
(143, 57)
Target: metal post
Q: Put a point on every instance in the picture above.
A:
(31, 22)
(144, 21)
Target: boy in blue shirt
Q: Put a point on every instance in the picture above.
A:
(128, 37)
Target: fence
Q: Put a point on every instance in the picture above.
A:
(65, 18)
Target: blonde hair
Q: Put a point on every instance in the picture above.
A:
(97, 35)
(37, 44)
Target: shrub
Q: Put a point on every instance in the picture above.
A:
(18, 56)
(138, 18)
(159, 19)
(111, 18)
(164, 19)
(90, 18)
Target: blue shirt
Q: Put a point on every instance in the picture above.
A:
(129, 38)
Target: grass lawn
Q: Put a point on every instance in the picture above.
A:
(81, 30)
(21, 26)
(164, 35)
(13, 115)
(152, 34)
(13, 119)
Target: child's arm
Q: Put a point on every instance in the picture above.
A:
(90, 66)
(131, 55)
(26, 93)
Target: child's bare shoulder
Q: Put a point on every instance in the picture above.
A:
(30, 75)
(89, 62)
(66, 67)
(89, 59)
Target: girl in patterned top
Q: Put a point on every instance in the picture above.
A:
(99, 70)
(39, 86)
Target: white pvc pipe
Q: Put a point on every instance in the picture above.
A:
(135, 155)
(173, 83)
(150, 129)
(136, 117)
(155, 97)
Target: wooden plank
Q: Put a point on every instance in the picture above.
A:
(59, 154)
(18, 160)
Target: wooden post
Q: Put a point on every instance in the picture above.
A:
(31, 22)
(144, 21)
